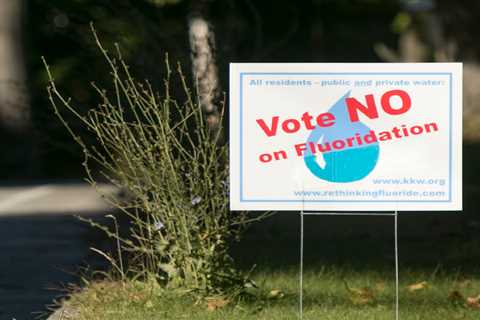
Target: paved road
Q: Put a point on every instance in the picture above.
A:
(42, 244)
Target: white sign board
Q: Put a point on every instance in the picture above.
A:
(346, 136)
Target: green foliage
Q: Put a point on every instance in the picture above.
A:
(59, 30)
(401, 22)
(174, 171)
(161, 3)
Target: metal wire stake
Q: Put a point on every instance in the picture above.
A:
(301, 260)
(301, 266)
(396, 268)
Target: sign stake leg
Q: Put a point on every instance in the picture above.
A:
(301, 267)
(396, 268)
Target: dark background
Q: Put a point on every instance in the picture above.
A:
(244, 30)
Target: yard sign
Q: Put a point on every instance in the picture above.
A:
(346, 136)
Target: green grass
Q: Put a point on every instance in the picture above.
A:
(349, 274)
(339, 294)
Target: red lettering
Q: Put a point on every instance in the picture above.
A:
(353, 106)
(293, 125)
(299, 148)
(406, 102)
(290, 128)
(325, 119)
(270, 132)
(307, 119)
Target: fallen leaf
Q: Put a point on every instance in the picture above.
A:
(135, 297)
(418, 286)
(456, 296)
(276, 294)
(473, 302)
(216, 303)
(94, 296)
(362, 296)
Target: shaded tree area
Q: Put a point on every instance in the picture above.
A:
(240, 31)
(15, 116)
(60, 31)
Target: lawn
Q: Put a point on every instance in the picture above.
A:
(328, 295)
(349, 274)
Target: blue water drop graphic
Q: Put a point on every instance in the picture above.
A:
(346, 165)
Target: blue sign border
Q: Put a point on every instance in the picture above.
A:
(242, 74)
